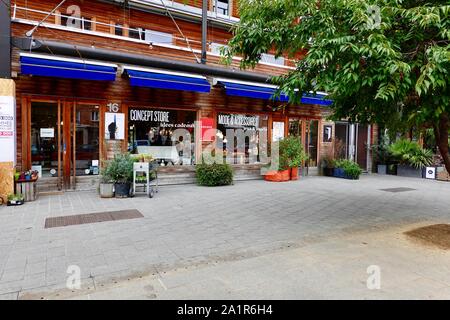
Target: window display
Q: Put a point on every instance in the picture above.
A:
(167, 135)
(243, 137)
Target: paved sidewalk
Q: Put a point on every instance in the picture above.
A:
(194, 227)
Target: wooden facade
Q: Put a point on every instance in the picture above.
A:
(67, 93)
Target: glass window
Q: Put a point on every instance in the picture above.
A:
(135, 33)
(44, 137)
(222, 7)
(118, 30)
(246, 149)
(86, 23)
(312, 137)
(86, 140)
(154, 131)
(157, 37)
(295, 127)
(270, 58)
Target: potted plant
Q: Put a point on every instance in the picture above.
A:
(351, 170)
(347, 169)
(15, 200)
(338, 170)
(283, 173)
(327, 164)
(411, 157)
(120, 169)
(382, 155)
(106, 182)
(292, 149)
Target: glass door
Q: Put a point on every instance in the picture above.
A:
(85, 141)
(312, 141)
(46, 141)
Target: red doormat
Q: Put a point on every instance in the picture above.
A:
(64, 221)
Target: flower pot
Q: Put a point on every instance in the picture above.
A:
(338, 173)
(408, 171)
(106, 190)
(392, 169)
(328, 172)
(382, 169)
(122, 190)
(294, 173)
(278, 176)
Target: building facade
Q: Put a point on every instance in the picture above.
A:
(94, 78)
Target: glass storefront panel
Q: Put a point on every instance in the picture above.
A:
(312, 134)
(252, 128)
(87, 139)
(167, 135)
(295, 127)
(44, 137)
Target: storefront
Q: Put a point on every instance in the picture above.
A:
(76, 117)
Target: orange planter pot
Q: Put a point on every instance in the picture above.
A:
(294, 173)
(278, 176)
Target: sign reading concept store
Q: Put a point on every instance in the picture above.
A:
(7, 128)
(163, 118)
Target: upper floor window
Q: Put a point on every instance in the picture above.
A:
(80, 23)
(216, 47)
(158, 37)
(118, 30)
(222, 7)
(270, 58)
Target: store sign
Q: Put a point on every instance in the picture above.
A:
(149, 115)
(238, 120)
(47, 132)
(7, 129)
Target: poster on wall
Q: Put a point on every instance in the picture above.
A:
(114, 126)
(327, 133)
(207, 124)
(7, 129)
(277, 131)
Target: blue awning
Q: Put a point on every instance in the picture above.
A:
(250, 90)
(266, 92)
(319, 99)
(163, 79)
(54, 66)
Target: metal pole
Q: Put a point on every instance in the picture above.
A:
(5, 39)
(204, 29)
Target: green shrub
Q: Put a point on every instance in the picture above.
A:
(411, 153)
(291, 148)
(214, 174)
(351, 168)
(120, 169)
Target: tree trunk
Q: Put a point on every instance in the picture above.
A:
(441, 134)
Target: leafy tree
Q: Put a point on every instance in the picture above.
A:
(381, 61)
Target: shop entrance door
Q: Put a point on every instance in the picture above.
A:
(46, 142)
(85, 144)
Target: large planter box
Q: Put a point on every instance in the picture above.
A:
(391, 169)
(408, 171)
(328, 172)
(278, 176)
(382, 169)
(338, 173)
